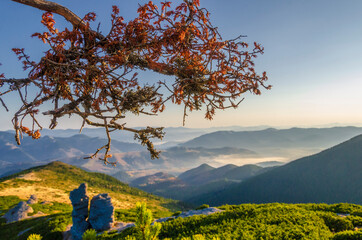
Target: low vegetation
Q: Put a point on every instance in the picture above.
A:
(246, 221)
(272, 221)
(263, 221)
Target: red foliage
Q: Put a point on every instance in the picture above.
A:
(94, 75)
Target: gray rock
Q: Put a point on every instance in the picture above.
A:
(80, 202)
(33, 199)
(206, 211)
(101, 214)
(18, 212)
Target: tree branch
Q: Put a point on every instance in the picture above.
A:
(53, 7)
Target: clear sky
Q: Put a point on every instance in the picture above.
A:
(313, 57)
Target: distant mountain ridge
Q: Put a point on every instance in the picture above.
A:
(331, 176)
(290, 143)
(271, 137)
(196, 181)
(14, 158)
(175, 158)
(129, 156)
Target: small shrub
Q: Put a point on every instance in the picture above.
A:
(336, 223)
(176, 213)
(348, 235)
(130, 238)
(145, 230)
(203, 206)
(90, 234)
(34, 237)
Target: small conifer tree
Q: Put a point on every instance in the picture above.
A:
(90, 234)
(145, 229)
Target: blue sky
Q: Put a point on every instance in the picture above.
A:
(313, 56)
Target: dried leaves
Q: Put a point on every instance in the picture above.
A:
(94, 76)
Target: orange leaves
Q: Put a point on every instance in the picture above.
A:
(95, 74)
(18, 51)
(48, 21)
(34, 135)
(90, 17)
(258, 47)
(182, 36)
(164, 6)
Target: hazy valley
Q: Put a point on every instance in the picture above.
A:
(215, 168)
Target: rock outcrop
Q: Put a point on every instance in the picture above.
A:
(18, 212)
(101, 215)
(33, 199)
(80, 202)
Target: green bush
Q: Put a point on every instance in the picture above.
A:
(203, 206)
(90, 234)
(336, 223)
(34, 237)
(250, 222)
(175, 214)
(348, 235)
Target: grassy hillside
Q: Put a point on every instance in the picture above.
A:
(331, 176)
(53, 183)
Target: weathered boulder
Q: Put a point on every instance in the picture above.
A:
(80, 202)
(33, 199)
(101, 213)
(18, 212)
(205, 211)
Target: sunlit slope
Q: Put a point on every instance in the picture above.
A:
(54, 181)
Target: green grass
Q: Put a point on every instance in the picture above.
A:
(51, 208)
(50, 227)
(65, 177)
(247, 221)
(8, 202)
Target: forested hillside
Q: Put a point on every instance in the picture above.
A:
(331, 176)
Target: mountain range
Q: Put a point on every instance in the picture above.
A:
(130, 157)
(216, 148)
(290, 143)
(197, 181)
(14, 158)
(331, 176)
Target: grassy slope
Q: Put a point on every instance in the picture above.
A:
(53, 182)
